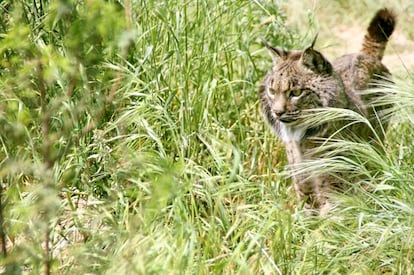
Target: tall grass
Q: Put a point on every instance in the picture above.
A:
(131, 142)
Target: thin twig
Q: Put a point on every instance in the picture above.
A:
(48, 257)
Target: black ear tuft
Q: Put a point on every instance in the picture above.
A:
(314, 41)
(315, 61)
(276, 52)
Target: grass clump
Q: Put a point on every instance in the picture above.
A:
(131, 142)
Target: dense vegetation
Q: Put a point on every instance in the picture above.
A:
(132, 143)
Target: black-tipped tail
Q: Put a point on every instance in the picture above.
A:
(379, 30)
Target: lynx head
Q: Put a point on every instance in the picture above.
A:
(299, 80)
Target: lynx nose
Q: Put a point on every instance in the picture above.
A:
(279, 113)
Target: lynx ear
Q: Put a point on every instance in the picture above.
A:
(315, 61)
(276, 52)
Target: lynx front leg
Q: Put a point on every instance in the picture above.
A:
(304, 187)
(309, 192)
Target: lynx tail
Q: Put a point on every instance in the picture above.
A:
(379, 30)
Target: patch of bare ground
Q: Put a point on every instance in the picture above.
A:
(399, 54)
(342, 25)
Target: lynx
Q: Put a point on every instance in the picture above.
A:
(301, 80)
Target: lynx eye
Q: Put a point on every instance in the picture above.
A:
(296, 92)
(272, 91)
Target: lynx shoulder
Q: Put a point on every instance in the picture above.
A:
(301, 80)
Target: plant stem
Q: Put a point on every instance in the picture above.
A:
(2, 230)
(48, 159)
